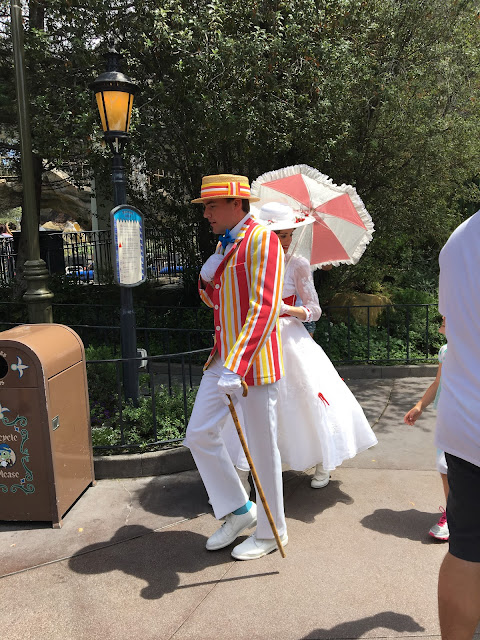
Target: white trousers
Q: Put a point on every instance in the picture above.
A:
(218, 473)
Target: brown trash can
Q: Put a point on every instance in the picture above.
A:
(46, 459)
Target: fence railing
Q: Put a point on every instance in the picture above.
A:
(85, 257)
(7, 260)
(381, 334)
(375, 334)
(168, 387)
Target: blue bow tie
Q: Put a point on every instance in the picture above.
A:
(227, 238)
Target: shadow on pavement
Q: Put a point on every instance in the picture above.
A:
(305, 503)
(184, 496)
(404, 394)
(412, 524)
(358, 628)
(177, 496)
(154, 557)
(23, 525)
(372, 395)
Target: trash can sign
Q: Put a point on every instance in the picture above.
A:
(12, 476)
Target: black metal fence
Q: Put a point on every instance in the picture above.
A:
(181, 338)
(7, 260)
(375, 334)
(85, 257)
(168, 385)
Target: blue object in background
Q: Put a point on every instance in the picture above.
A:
(177, 269)
(80, 273)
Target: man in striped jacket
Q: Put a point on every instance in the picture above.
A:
(243, 283)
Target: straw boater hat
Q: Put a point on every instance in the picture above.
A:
(225, 185)
(276, 216)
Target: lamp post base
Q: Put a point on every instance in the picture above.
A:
(37, 296)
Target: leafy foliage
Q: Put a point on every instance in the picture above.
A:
(109, 415)
(406, 332)
(376, 93)
(138, 422)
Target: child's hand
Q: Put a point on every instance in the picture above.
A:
(412, 416)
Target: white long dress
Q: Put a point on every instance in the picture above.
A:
(319, 419)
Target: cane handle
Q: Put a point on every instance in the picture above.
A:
(245, 389)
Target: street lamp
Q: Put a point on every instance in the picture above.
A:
(114, 92)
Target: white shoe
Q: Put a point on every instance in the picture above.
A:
(253, 547)
(232, 528)
(243, 475)
(440, 530)
(320, 478)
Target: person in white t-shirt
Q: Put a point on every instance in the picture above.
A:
(458, 430)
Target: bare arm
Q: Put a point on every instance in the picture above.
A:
(427, 398)
(296, 312)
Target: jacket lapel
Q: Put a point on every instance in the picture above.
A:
(233, 249)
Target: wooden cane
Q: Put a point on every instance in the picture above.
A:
(252, 468)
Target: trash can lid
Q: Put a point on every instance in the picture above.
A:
(56, 346)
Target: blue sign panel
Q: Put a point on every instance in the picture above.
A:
(128, 246)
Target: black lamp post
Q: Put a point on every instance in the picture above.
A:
(37, 296)
(114, 92)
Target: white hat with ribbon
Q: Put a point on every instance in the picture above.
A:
(276, 216)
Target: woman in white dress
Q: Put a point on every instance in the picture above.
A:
(320, 423)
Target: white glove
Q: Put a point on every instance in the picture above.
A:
(230, 383)
(211, 265)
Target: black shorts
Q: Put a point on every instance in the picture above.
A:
(310, 326)
(463, 508)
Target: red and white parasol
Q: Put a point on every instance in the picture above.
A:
(343, 226)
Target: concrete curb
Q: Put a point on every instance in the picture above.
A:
(397, 371)
(168, 461)
(156, 463)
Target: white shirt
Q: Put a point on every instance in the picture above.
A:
(235, 231)
(458, 417)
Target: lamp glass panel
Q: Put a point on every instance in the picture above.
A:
(118, 109)
(100, 109)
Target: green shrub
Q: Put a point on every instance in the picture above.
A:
(138, 422)
(102, 382)
(379, 343)
(108, 412)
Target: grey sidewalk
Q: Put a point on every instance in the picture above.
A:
(130, 560)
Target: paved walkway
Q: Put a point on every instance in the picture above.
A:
(130, 560)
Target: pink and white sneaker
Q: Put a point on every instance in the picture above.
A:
(440, 530)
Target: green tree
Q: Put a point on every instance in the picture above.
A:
(381, 94)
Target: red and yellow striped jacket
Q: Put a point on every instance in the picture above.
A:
(246, 296)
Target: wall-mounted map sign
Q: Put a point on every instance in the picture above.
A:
(128, 245)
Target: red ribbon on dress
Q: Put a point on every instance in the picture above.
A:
(323, 399)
